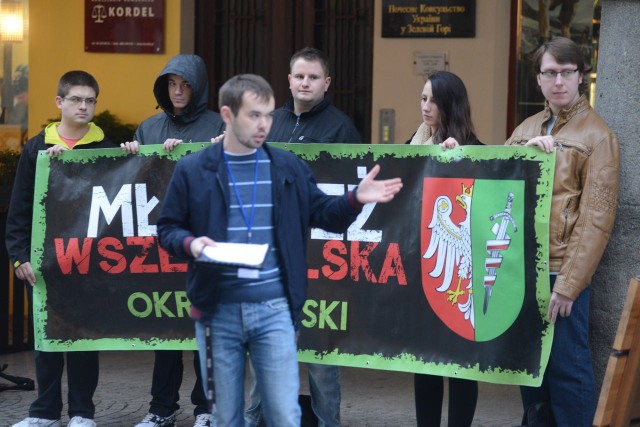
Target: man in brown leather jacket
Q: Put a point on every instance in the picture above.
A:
(583, 208)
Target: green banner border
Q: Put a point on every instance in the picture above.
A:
(309, 152)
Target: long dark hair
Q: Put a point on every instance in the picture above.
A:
(450, 95)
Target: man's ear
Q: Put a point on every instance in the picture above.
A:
(59, 102)
(327, 83)
(226, 114)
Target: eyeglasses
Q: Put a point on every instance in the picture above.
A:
(75, 100)
(552, 75)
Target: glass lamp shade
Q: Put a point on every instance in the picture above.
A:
(11, 22)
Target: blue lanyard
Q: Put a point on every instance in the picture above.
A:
(247, 220)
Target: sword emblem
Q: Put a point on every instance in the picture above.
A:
(494, 247)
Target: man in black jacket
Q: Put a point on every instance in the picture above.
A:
(309, 115)
(76, 98)
(182, 91)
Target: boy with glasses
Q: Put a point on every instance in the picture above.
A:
(583, 207)
(76, 99)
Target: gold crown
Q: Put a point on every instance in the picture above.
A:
(467, 191)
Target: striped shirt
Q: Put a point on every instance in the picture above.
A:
(251, 221)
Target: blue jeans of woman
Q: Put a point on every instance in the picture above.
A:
(264, 330)
(568, 385)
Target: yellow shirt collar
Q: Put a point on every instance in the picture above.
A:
(51, 136)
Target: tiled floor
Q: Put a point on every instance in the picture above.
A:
(369, 397)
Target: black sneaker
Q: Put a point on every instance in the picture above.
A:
(204, 420)
(153, 420)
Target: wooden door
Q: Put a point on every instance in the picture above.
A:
(259, 36)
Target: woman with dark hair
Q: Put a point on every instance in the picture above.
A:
(446, 121)
(446, 114)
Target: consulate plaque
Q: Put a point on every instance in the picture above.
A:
(428, 18)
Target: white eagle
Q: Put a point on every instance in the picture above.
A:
(451, 244)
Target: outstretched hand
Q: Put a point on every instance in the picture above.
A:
(370, 190)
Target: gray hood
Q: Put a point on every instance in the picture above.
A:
(192, 69)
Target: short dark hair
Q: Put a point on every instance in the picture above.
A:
(450, 95)
(564, 50)
(311, 54)
(76, 78)
(233, 90)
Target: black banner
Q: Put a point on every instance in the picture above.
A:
(448, 278)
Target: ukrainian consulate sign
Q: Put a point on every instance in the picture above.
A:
(428, 18)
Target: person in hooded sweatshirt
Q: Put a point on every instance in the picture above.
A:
(182, 90)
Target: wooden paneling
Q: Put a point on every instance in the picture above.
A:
(619, 403)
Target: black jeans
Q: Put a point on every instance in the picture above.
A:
(83, 369)
(167, 379)
(82, 377)
(429, 391)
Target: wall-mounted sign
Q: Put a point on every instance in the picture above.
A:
(428, 18)
(124, 26)
(427, 63)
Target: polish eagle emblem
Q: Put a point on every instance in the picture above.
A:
(451, 245)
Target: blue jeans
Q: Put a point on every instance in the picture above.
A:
(324, 387)
(265, 330)
(568, 386)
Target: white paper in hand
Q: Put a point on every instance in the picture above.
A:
(235, 254)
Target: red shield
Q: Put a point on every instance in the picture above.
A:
(443, 211)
